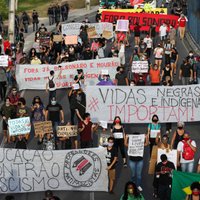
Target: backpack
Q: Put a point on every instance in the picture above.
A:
(188, 153)
(51, 83)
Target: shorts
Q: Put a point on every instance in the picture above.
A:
(173, 61)
(5, 125)
(111, 174)
(158, 58)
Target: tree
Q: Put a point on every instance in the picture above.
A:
(4, 8)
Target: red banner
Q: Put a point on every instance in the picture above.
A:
(145, 20)
(135, 2)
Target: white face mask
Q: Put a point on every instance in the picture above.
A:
(110, 144)
(53, 102)
(190, 54)
(132, 84)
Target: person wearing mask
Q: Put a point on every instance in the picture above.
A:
(167, 73)
(121, 53)
(112, 52)
(186, 152)
(117, 131)
(131, 192)
(111, 159)
(172, 36)
(49, 196)
(195, 188)
(120, 77)
(8, 111)
(87, 53)
(163, 32)
(167, 50)
(178, 135)
(182, 25)
(191, 58)
(154, 132)
(174, 59)
(197, 70)
(21, 142)
(136, 163)
(94, 48)
(35, 20)
(163, 172)
(154, 74)
(186, 72)
(142, 48)
(3, 83)
(47, 141)
(137, 28)
(25, 21)
(14, 96)
(149, 43)
(158, 54)
(86, 129)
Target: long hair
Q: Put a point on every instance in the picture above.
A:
(115, 119)
(135, 193)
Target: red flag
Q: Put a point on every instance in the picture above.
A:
(135, 2)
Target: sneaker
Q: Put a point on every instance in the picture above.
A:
(125, 165)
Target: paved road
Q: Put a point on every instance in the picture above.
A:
(123, 174)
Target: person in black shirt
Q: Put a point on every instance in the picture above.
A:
(35, 20)
(164, 175)
(21, 142)
(111, 159)
(186, 72)
(120, 77)
(87, 54)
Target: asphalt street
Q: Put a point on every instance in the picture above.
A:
(123, 174)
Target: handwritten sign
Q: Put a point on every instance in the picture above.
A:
(25, 171)
(138, 104)
(43, 127)
(71, 39)
(91, 31)
(140, 67)
(136, 145)
(122, 25)
(4, 61)
(67, 131)
(57, 38)
(19, 126)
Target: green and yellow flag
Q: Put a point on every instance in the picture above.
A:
(181, 184)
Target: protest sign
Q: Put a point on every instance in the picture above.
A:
(19, 126)
(138, 104)
(74, 29)
(136, 145)
(36, 76)
(171, 155)
(143, 19)
(122, 25)
(71, 39)
(44, 39)
(91, 31)
(67, 131)
(43, 127)
(140, 67)
(4, 61)
(139, 10)
(25, 171)
(57, 38)
(107, 34)
(103, 139)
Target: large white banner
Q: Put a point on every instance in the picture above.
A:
(36, 170)
(138, 104)
(36, 76)
(74, 28)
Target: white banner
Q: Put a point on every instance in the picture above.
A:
(136, 145)
(4, 61)
(36, 76)
(74, 28)
(138, 104)
(25, 171)
(171, 155)
(140, 66)
(19, 126)
(122, 25)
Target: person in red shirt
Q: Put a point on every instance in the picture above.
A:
(86, 129)
(182, 25)
(154, 74)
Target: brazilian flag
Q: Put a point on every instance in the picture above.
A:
(181, 184)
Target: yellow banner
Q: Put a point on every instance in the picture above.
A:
(152, 10)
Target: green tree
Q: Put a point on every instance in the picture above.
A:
(4, 8)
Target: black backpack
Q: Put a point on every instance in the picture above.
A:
(51, 83)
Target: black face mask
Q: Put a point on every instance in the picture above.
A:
(180, 128)
(154, 120)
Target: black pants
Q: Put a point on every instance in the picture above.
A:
(73, 113)
(2, 90)
(86, 144)
(152, 142)
(119, 143)
(164, 192)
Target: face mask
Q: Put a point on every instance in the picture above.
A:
(195, 193)
(130, 191)
(186, 139)
(155, 120)
(180, 128)
(112, 51)
(132, 84)
(190, 54)
(110, 144)
(88, 119)
(53, 102)
(117, 121)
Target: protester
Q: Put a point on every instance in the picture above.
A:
(117, 131)
(3, 83)
(154, 74)
(167, 73)
(120, 77)
(195, 187)
(35, 20)
(111, 158)
(131, 192)
(182, 25)
(49, 196)
(21, 142)
(174, 59)
(158, 53)
(48, 141)
(186, 152)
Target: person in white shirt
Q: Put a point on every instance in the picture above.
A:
(163, 31)
(149, 43)
(186, 151)
(122, 53)
(158, 53)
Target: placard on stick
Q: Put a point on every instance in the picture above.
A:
(57, 38)
(67, 131)
(43, 127)
(71, 39)
(91, 31)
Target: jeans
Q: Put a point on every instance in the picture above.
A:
(164, 192)
(198, 80)
(136, 171)
(187, 167)
(35, 27)
(185, 80)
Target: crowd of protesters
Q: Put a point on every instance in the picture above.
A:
(159, 50)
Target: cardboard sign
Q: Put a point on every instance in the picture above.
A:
(24, 171)
(103, 139)
(19, 126)
(107, 34)
(57, 38)
(140, 67)
(43, 127)
(4, 61)
(71, 39)
(44, 39)
(122, 25)
(91, 31)
(67, 131)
